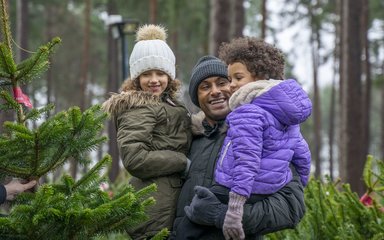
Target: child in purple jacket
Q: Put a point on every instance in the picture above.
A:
(264, 135)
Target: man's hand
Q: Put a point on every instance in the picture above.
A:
(14, 187)
(206, 209)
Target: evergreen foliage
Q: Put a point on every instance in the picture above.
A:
(334, 213)
(75, 209)
(71, 209)
(68, 134)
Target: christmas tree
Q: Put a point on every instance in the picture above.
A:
(70, 209)
(335, 212)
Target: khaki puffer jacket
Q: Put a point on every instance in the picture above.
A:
(154, 136)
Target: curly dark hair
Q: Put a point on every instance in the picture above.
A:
(262, 60)
(172, 87)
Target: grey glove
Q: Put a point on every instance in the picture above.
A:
(233, 228)
(206, 209)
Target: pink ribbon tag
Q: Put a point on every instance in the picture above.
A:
(20, 97)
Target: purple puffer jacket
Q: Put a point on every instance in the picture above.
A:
(264, 137)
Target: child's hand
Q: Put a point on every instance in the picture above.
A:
(233, 228)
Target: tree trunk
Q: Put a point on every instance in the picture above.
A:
(341, 159)
(315, 46)
(22, 29)
(316, 109)
(49, 34)
(85, 59)
(264, 18)
(239, 18)
(220, 29)
(49, 25)
(366, 110)
(382, 114)
(352, 128)
(332, 108)
(332, 116)
(152, 11)
(84, 73)
(112, 86)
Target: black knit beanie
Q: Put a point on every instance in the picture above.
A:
(206, 67)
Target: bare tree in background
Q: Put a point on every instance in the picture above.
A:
(238, 22)
(85, 58)
(22, 29)
(152, 11)
(264, 18)
(83, 71)
(351, 117)
(315, 54)
(227, 20)
(367, 87)
(49, 34)
(341, 160)
(332, 108)
(112, 86)
(220, 24)
(382, 112)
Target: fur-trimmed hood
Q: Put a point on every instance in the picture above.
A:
(131, 97)
(197, 123)
(119, 102)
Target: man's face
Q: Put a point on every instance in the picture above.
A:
(213, 94)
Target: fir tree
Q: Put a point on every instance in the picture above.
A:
(70, 209)
(334, 213)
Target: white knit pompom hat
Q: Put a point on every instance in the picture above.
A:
(151, 52)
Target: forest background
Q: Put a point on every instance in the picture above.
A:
(334, 48)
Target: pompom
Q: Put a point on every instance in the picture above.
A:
(151, 32)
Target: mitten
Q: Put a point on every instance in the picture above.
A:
(205, 208)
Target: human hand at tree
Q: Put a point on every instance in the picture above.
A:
(14, 187)
(233, 228)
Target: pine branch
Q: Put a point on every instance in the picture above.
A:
(6, 61)
(35, 114)
(9, 100)
(92, 172)
(6, 29)
(37, 64)
(4, 75)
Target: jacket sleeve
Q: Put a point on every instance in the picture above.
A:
(281, 210)
(140, 158)
(3, 194)
(302, 160)
(246, 133)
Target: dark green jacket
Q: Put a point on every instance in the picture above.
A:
(283, 209)
(153, 136)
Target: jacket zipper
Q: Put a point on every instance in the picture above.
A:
(224, 153)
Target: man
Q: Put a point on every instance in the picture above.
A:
(209, 90)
